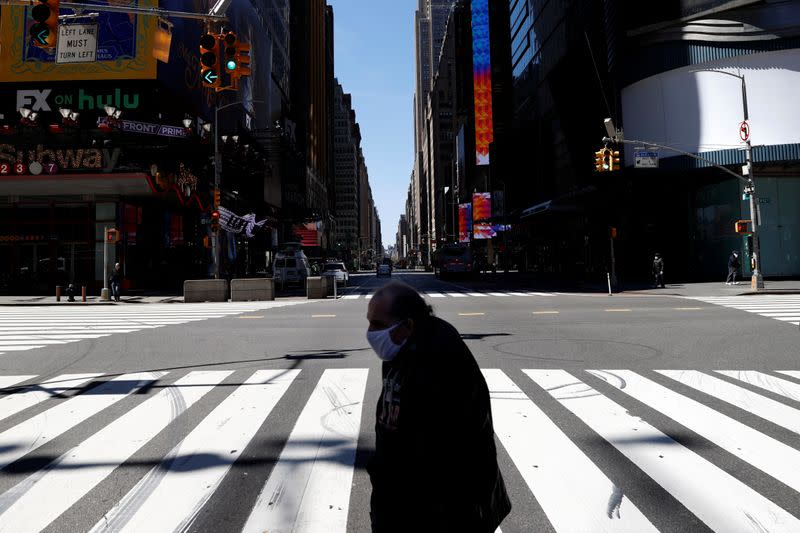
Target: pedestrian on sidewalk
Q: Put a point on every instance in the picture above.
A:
(658, 270)
(733, 268)
(435, 463)
(115, 279)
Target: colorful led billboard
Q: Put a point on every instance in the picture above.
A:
(464, 222)
(482, 80)
(481, 206)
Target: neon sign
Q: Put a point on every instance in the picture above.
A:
(482, 80)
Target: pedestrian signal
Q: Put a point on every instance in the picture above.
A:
(44, 30)
(742, 226)
(210, 60)
(112, 236)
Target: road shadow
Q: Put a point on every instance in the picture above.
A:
(480, 336)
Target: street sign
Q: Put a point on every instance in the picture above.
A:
(645, 159)
(744, 131)
(77, 43)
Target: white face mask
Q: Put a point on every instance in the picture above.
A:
(381, 341)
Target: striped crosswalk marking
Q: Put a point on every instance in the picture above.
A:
(573, 492)
(668, 463)
(310, 485)
(351, 296)
(762, 451)
(44, 427)
(10, 381)
(39, 392)
(501, 294)
(457, 295)
(767, 382)
(783, 307)
(190, 478)
(477, 294)
(435, 295)
(99, 455)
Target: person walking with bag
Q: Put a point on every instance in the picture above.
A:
(733, 268)
(115, 280)
(435, 463)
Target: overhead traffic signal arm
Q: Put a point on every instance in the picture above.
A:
(44, 30)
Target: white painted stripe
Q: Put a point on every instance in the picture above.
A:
(180, 493)
(457, 294)
(435, 295)
(497, 294)
(351, 297)
(58, 336)
(4, 343)
(573, 492)
(674, 467)
(36, 393)
(33, 330)
(541, 294)
(760, 450)
(791, 373)
(42, 497)
(314, 473)
(759, 405)
(36, 431)
(8, 381)
(19, 348)
(477, 294)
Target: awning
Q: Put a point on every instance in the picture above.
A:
(123, 184)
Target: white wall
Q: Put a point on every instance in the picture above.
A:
(701, 112)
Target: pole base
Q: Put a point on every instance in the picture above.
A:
(756, 281)
(104, 295)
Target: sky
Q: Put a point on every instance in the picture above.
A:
(374, 61)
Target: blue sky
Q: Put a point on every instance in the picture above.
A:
(374, 55)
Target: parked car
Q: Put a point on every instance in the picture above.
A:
(291, 268)
(384, 270)
(338, 271)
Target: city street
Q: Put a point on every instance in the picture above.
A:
(612, 413)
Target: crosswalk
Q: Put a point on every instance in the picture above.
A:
(358, 295)
(783, 307)
(28, 328)
(207, 421)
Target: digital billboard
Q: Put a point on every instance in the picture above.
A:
(482, 80)
(481, 206)
(464, 222)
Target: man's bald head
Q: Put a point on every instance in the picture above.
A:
(397, 303)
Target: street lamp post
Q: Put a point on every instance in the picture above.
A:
(757, 280)
(218, 173)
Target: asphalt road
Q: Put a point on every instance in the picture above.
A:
(218, 417)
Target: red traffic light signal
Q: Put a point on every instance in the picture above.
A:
(112, 236)
(215, 221)
(210, 60)
(44, 30)
(742, 226)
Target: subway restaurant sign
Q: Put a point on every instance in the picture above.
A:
(77, 43)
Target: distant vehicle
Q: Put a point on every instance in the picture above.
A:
(453, 259)
(291, 267)
(336, 270)
(384, 270)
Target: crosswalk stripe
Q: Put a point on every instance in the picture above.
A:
(774, 384)
(20, 348)
(457, 295)
(572, 490)
(39, 392)
(43, 496)
(540, 294)
(497, 294)
(762, 451)
(309, 487)
(36, 431)
(191, 478)
(351, 296)
(55, 336)
(667, 462)
(9, 381)
(4, 342)
(759, 405)
(435, 295)
(477, 294)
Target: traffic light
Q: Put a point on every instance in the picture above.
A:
(112, 236)
(216, 198)
(231, 43)
(613, 232)
(598, 160)
(44, 30)
(242, 59)
(742, 226)
(209, 60)
(614, 160)
(215, 221)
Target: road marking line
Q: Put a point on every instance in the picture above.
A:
(762, 451)
(323, 316)
(435, 295)
(457, 295)
(546, 312)
(251, 317)
(667, 462)
(97, 456)
(618, 310)
(572, 490)
(315, 470)
(20, 348)
(351, 297)
(9, 381)
(498, 294)
(477, 294)
(471, 314)
(688, 308)
(541, 294)
(172, 504)
(39, 392)
(39, 430)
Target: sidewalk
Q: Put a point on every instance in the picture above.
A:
(720, 289)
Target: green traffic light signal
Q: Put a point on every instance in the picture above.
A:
(230, 64)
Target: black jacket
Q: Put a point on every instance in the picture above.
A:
(733, 261)
(435, 461)
(658, 266)
(115, 276)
